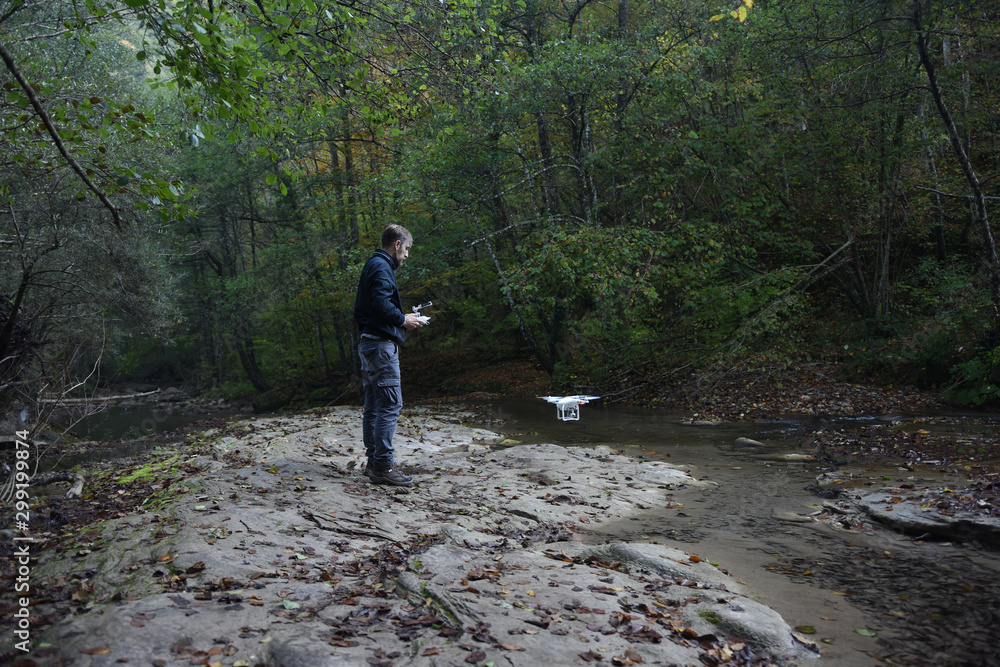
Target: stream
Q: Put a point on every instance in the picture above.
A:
(867, 596)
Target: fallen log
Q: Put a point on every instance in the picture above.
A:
(96, 399)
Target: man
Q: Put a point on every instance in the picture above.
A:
(378, 310)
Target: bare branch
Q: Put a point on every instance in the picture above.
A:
(950, 194)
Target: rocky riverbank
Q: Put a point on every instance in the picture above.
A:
(259, 543)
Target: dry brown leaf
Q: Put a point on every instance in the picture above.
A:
(510, 647)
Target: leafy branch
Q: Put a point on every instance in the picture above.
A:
(53, 133)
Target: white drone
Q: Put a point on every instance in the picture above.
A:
(568, 407)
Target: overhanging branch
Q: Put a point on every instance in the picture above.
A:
(50, 127)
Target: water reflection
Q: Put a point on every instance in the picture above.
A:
(534, 421)
(117, 423)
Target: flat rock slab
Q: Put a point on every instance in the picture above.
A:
(279, 552)
(906, 511)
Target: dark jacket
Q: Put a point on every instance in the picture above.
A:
(378, 309)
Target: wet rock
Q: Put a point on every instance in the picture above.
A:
(912, 517)
(828, 492)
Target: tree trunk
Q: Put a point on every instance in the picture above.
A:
(12, 319)
(327, 375)
(543, 359)
(248, 359)
(576, 112)
(550, 191)
(352, 206)
(338, 184)
(978, 198)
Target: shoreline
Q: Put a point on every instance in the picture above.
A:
(265, 523)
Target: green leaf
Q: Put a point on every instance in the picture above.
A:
(271, 179)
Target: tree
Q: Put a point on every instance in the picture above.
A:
(72, 286)
(991, 261)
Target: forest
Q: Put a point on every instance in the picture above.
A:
(617, 191)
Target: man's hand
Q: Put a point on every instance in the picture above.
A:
(413, 321)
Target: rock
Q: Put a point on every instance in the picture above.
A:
(286, 555)
(789, 458)
(911, 518)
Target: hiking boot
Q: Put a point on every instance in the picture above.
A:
(368, 469)
(387, 476)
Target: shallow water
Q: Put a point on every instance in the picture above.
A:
(117, 423)
(927, 603)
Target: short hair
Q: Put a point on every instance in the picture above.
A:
(395, 233)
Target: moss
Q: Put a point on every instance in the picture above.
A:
(710, 616)
(148, 471)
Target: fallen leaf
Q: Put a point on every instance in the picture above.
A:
(510, 647)
(96, 651)
(805, 629)
(865, 632)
